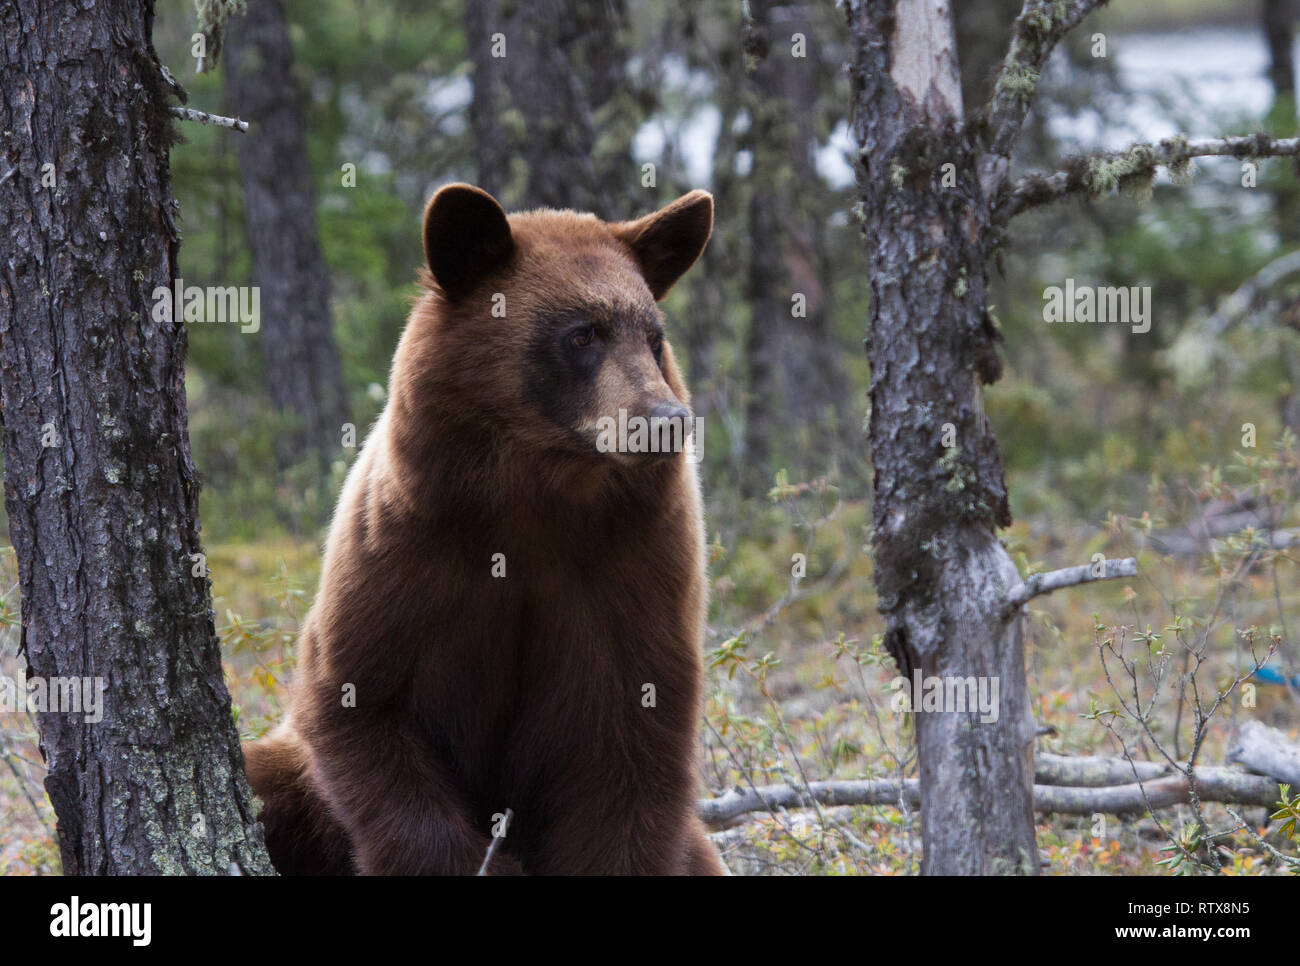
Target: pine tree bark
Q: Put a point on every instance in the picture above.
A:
(941, 574)
(101, 493)
(297, 336)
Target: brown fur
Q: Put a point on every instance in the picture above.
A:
(476, 693)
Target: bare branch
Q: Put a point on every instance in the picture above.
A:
(1098, 174)
(1250, 293)
(765, 798)
(1223, 785)
(203, 117)
(1034, 35)
(1031, 587)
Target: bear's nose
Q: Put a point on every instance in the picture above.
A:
(669, 410)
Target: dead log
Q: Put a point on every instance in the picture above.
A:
(1267, 751)
(1226, 786)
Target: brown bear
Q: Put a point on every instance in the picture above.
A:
(511, 610)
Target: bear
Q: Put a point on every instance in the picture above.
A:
(511, 610)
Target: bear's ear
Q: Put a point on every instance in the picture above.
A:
(667, 242)
(466, 235)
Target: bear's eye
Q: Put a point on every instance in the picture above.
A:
(656, 341)
(582, 337)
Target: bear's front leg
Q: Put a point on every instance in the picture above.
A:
(403, 813)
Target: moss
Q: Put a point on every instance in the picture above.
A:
(1018, 81)
(1040, 21)
(959, 474)
(212, 16)
(1133, 170)
(897, 175)
(961, 286)
(1180, 165)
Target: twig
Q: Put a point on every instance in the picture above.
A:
(203, 117)
(1038, 584)
(1282, 857)
(22, 783)
(8, 174)
(496, 840)
(768, 798)
(1079, 177)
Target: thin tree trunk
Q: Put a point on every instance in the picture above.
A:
(538, 106)
(302, 362)
(491, 152)
(101, 493)
(940, 572)
(764, 273)
(814, 386)
(1279, 33)
(796, 387)
(1278, 17)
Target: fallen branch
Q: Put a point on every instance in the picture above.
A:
(1077, 771)
(203, 117)
(1033, 586)
(1246, 297)
(1097, 174)
(1186, 544)
(1268, 751)
(765, 798)
(1222, 785)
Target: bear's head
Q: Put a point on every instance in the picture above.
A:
(545, 328)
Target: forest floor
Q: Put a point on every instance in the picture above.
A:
(798, 689)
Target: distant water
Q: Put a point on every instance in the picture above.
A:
(1198, 81)
(1201, 81)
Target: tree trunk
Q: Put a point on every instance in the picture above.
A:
(491, 153)
(940, 571)
(302, 362)
(797, 389)
(1278, 20)
(765, 272)
(1279, 33)
(539, 101)
(101, 493)
(813, 383)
